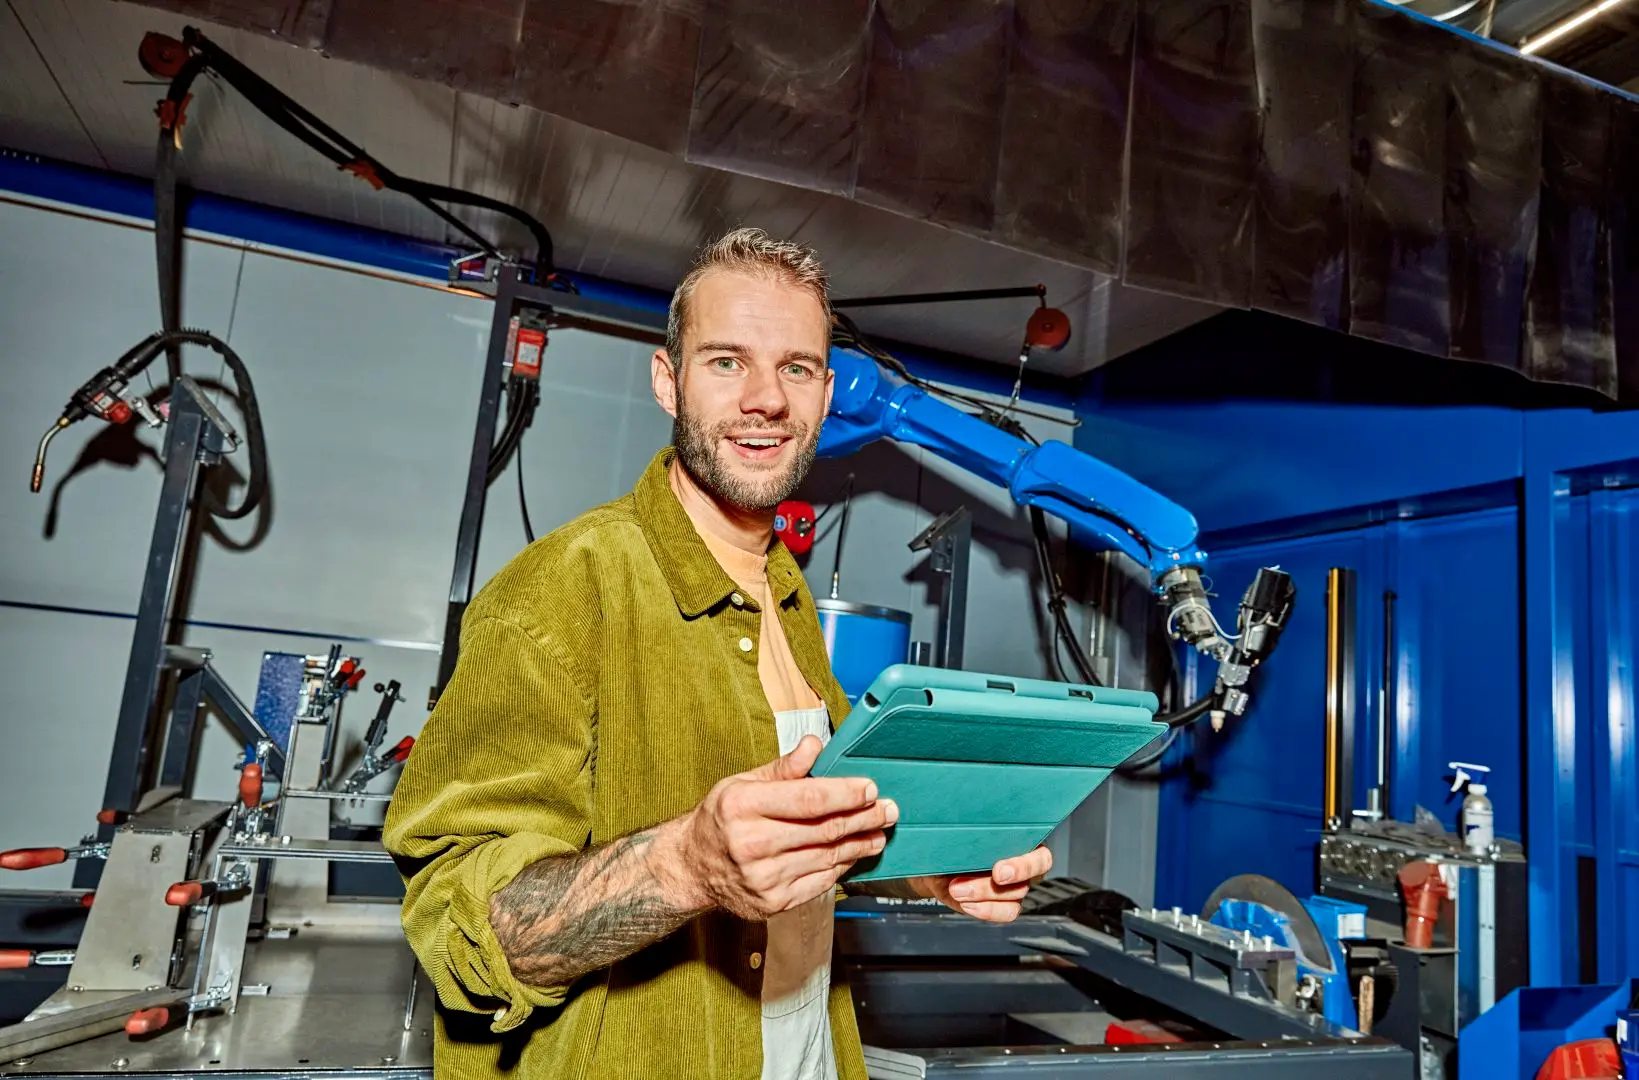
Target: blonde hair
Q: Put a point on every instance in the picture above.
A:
(752, 251)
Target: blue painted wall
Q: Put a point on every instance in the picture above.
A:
(1516, 636)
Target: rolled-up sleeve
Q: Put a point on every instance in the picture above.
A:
(499, 779)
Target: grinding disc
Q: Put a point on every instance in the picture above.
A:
(1275, 896)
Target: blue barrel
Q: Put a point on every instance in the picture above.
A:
(862, 641)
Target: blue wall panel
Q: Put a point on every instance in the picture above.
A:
(1611, 762)
(1499, 512)
(1248, 799)
(1457, 579)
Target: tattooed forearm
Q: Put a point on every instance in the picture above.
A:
(563, 917)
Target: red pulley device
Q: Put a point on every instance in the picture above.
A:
(794, 525)
(161, 56)
(1048, 328)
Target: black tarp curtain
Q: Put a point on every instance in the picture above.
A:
(1335, 161)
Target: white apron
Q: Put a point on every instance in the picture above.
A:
(797, 967)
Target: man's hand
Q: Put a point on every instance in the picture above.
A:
(772, 839)
(992, 897)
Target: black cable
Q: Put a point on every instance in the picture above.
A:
(1138, 764)
(848, 334)
(523, 397)
(511, 431)
(523, 500)
(139, 356)
(1190, 713)
(1064, 633)
(842, 532)
(168, 222)
(341, 151)
(1176, 722)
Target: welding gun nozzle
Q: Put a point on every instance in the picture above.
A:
(38, 479)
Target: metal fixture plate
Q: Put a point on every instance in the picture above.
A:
(361, 851)
(178, 816)
(131, 932)
(335, 1004)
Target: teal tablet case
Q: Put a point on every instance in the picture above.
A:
(983, 767)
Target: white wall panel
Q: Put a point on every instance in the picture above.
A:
(63, 674)
(368, 388)
(74, 295)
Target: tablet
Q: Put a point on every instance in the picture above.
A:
(983, 767)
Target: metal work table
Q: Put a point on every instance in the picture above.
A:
(335, 1002)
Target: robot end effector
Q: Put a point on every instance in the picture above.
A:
(1264, 610)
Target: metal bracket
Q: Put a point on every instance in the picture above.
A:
(949, 541)
(1236, 963)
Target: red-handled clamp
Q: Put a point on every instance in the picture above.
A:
(33, 858)
(188, 893)
(148, 1021)
(17, 959)
(250, 785)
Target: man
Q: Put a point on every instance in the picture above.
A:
(616, 864)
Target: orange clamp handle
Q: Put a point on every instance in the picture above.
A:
(13, 959)
(250, 785)
(112, 817)
(185, 893)
(85, 901)
(402, 750)
(148, 1021)
(30, 858)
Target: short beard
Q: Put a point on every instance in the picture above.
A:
(697, 452)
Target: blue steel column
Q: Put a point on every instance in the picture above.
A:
(1405, 771)
(1550, 731)
(1610, 720)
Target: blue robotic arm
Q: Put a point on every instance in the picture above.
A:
(1095, 499)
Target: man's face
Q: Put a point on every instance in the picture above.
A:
(753, 389)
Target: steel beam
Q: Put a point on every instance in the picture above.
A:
(292, 847)
(79, 1024)
(1268, 1060)
(128, 760)
(241, 719)
(190, 689)
(468, 534)
(986, 991)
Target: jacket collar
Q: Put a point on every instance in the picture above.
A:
(698, 582)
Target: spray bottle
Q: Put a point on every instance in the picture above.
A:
(1476, 827)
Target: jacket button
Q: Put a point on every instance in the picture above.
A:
(756, 961)
(745, 644)
(737, 600)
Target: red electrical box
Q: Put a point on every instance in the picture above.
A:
(528, 345)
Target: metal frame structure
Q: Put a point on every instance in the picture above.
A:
(1163, 957)
(1602, 461)
(948, 540)
(512, 296)
(197, 435)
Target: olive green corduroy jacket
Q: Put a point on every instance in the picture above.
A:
(607, 679)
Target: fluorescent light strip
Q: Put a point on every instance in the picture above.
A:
(1554, 33)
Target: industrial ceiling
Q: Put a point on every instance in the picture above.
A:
(73, 90)
(1151, 162)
